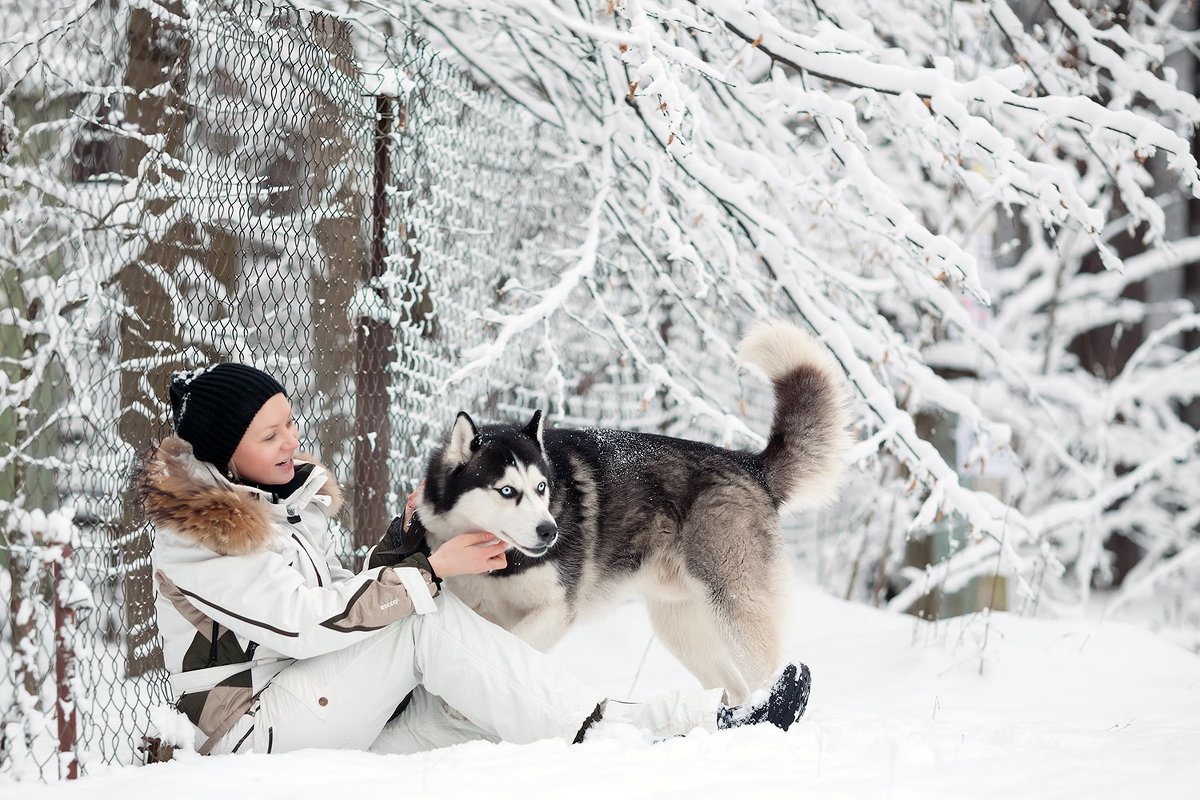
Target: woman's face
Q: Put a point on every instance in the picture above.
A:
(264, 455)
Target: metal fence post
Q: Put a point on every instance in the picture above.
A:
(64, 663)
(372, 439)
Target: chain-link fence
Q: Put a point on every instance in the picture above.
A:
(222, 182)
(185, 183)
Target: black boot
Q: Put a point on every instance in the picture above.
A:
(781, 707)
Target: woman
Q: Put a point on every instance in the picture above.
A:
(273, 646)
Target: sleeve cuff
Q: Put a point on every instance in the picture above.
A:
(418, 591)
(421, 561)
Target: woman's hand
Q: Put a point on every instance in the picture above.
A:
(467, 554)
(410, 507)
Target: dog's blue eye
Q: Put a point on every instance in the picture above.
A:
(506, 491)
(542, 487)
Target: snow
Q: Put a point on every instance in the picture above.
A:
(851, 192)
(983, 706)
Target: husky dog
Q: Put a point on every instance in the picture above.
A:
(592, 514)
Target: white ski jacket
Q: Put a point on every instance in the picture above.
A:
(247, 582)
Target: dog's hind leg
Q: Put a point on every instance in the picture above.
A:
(687, 629)
(723, 616)
(750, 624)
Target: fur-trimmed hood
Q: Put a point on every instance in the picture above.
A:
(192, 497)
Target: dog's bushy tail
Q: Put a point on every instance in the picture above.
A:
(804, 460)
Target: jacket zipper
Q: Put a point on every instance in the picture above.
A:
(212, 644)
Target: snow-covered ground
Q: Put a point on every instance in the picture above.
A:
(1004, 707)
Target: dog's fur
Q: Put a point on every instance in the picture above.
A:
(591, 514)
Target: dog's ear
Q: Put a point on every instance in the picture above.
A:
(534, 429)
(462, 436)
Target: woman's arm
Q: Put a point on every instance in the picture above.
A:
(261, 597)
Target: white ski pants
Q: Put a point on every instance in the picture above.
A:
(494, 686)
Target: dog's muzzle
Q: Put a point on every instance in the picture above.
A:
(547, 532)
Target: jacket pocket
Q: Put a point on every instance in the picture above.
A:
(301, 691)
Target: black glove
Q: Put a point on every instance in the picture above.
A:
(398, 544)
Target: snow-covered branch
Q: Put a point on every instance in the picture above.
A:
(854, 168)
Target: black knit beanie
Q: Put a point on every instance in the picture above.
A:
(211, 408)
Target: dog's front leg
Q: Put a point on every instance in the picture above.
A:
(543, 627)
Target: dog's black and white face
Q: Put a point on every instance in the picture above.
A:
(496, 479)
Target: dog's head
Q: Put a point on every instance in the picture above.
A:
(495, 478)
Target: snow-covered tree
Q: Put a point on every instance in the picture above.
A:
(959, 198)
